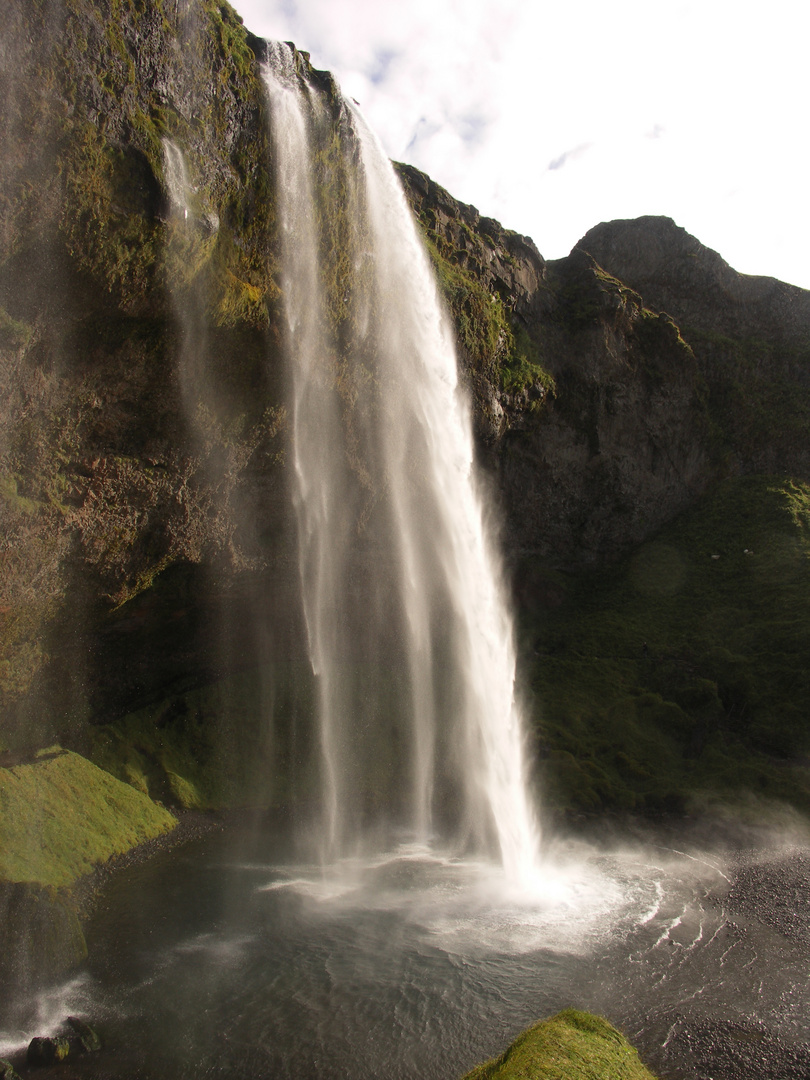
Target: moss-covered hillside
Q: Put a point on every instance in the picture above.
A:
(62, 816)
(680, 677)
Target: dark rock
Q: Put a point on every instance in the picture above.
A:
(7, 1071)
(676, 273)
(47, 1050)
(87, 1037)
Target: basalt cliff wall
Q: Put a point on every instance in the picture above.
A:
(147, 546)
(628, 376)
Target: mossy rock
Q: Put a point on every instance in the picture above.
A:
(40, 934)
(572, 1045)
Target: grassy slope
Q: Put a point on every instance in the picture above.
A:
(683, 673)
(569, 1046)
(61, 815)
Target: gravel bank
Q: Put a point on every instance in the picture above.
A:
(767, 907)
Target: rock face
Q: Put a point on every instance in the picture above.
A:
(591, 408)
(665, 370)
(136, 351)
(144, 512)
(750, 335)
(675, 272)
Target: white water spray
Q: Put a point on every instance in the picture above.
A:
(409, 635)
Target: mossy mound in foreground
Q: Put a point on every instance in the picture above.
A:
(569, 1046)
(60, 816)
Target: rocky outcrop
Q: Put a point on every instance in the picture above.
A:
(750, 336)
(622, 445)
(676, 273)
(590, 407)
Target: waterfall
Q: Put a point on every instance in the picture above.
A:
(176, 175)
(410, 639)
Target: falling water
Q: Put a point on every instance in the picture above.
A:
(176, 175)
(409, 635)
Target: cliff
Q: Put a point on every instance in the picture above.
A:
(652, 471)
(136, 327)
(626, 378)
(148, 574)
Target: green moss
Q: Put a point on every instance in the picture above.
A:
(13, 332)
(496, 343)
(106, 221)
(572, 1045)
(62, 816)
(10, 494)
(236, 301)
(523, 369)
(481, 318)
(683, 674)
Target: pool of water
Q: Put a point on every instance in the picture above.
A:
(223, 960)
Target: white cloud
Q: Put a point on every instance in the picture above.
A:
(691, 109)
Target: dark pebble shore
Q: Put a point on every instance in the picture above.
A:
(774, 891)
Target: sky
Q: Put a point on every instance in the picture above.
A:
(554, 116)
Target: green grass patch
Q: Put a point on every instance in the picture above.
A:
(684, 673)
(10, 495)
(60, 816)
(572, 1045)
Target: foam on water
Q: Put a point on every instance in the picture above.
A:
(473, 907)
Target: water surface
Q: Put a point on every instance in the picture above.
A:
(220, 960)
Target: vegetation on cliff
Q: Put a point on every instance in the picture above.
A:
(480, 269)
(677, 680)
